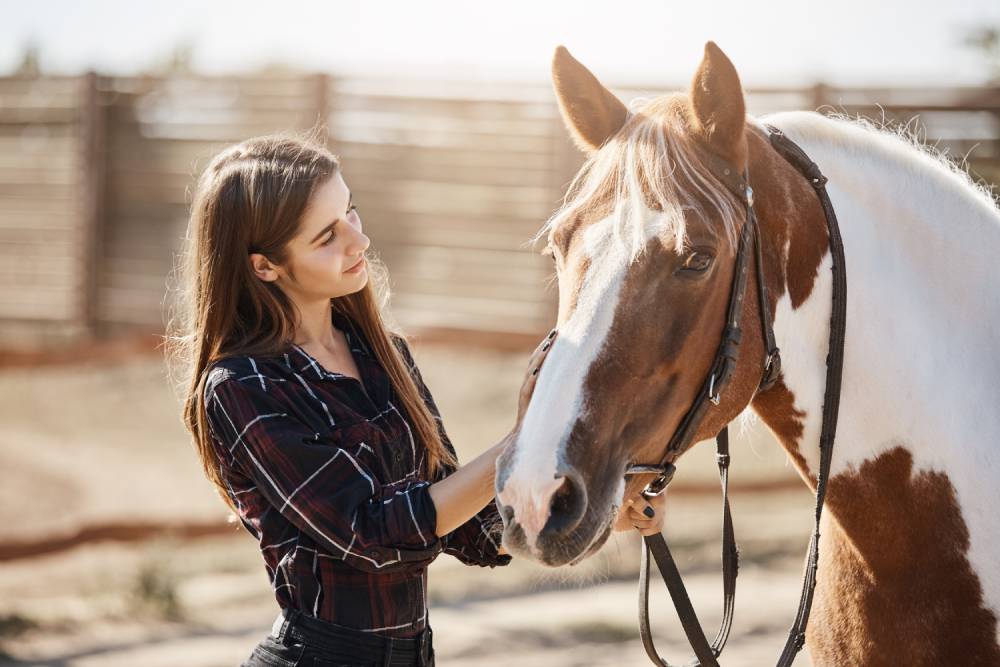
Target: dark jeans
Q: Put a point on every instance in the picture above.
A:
(299, 640)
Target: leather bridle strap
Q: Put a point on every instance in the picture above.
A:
(656, 546)
(834, 375)
(721, 370)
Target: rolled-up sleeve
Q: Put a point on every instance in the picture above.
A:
(319, 486)
(477, 541)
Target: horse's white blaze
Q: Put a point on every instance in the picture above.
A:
(559, 398)
(920, 369)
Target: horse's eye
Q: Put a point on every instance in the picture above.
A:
(697, 262)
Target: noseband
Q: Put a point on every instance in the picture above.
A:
(710, 395)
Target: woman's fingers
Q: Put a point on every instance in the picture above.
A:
(534, 366)
(646, 514)
(538, 356)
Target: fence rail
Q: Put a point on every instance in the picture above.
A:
(452, 179)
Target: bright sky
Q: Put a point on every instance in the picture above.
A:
(771, 42)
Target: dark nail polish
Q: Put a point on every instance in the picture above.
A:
(552, 334)
(546, 346)
(649, 512)
(535, 372)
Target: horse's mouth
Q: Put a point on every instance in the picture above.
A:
(595, 546)
(577, 549)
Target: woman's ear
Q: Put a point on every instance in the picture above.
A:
(262, 267)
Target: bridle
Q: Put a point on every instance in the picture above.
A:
(710, 395)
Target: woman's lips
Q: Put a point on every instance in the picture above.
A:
(357, 267)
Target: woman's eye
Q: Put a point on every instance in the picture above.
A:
(697, 262)
(328, 239)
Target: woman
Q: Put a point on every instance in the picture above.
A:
(312, 420)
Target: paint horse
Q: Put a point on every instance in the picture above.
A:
(644, 245)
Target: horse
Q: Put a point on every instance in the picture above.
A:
(643, 247)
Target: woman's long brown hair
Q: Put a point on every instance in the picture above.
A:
(250, 199)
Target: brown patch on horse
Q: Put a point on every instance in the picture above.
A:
(776, 408)
(788, 212)
(895, 586)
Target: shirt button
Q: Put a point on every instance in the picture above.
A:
(373, 553)
(398, 455)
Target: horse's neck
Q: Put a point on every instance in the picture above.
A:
(919, 400)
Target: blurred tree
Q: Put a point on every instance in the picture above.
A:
(987, 41)
(30, 57)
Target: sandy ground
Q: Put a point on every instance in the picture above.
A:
(103, 442)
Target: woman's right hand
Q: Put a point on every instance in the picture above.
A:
(534, 367)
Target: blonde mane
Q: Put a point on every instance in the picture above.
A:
(653, 153)
(643, 165)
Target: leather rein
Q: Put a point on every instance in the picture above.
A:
(710, 395)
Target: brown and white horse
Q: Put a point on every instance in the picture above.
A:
(644, 250)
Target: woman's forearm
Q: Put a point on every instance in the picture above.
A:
(460, 495)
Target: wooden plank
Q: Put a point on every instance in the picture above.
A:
(42, 250)
(467, 236)
(59, 160)
(39, 143)
(40, 276)
(62, 222)
(455, 199)
(35, 192)
(445, 173)
(33, 236)
(456, 123)
(31, 263)
(445, 139)
(529, 293)
(37, 175)
(36, 115)
(42, 302)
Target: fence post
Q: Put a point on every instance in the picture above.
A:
(322, 107)
(820, 95)
(92, 179)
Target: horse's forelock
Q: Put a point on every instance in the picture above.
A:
(652, 162)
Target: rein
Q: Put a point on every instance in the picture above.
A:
(710, 394)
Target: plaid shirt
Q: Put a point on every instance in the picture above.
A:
(325, 474)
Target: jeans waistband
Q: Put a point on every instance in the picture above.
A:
(294, 625)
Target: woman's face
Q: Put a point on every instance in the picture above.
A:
(327, 255)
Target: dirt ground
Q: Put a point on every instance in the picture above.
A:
(102, 443)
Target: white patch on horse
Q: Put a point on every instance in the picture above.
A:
(920, 367)
(559, 399)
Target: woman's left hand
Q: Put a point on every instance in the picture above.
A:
(643, 514)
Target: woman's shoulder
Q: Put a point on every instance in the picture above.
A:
(239, 367)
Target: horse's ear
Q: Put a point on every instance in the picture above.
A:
(719, 112)
(592, 114)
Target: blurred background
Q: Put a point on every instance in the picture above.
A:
(113, 548)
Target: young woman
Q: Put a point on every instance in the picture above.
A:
(312, 420)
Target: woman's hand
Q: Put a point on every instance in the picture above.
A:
(531, 378)
(459, 496)
(642, 513)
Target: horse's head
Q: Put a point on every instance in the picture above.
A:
(644, 249)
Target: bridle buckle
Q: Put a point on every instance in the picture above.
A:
(664, 474)
(713, 396)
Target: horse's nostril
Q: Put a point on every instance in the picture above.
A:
(567, 506)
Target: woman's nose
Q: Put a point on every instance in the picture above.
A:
(360, 242)
(364, 242)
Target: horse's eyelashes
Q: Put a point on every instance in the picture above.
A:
(697, 261)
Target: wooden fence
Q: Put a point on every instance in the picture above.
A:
(452, 180)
